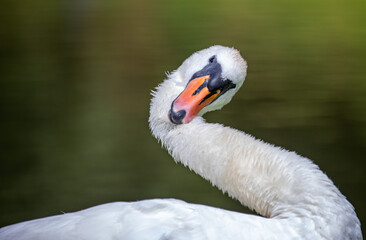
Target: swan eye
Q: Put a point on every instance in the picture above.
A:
(212, 59)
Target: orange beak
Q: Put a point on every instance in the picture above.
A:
(191, 101)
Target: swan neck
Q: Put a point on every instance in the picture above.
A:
(274, 182)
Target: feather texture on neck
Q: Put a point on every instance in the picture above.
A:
(274, 182)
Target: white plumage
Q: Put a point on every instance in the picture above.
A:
(297, 200)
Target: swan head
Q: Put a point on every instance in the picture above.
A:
(209, 79)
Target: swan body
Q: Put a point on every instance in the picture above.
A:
(147, 219)
(296, 199)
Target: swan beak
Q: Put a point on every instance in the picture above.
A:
(191, 101)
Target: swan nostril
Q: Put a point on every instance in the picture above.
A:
(177, 117)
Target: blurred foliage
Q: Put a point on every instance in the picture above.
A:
(75, 86)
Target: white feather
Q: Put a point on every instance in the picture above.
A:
(297, 200)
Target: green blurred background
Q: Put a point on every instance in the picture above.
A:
(75, 86)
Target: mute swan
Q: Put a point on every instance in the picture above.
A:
(295, 198)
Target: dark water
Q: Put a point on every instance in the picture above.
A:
(75, 86)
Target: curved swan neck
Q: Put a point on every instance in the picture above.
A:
(274, 182)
